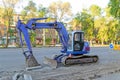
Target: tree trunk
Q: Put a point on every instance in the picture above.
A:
(7, 38)
(8, 27)
(44, 37)
(102, 42)
(91, 43)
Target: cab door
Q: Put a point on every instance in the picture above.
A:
(78, 41)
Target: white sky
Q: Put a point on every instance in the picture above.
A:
(77, 5)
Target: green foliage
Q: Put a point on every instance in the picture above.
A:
(91, 21)
(48, 40)
(29, 11)
(95, 10)
(85, 19)
(7, 15)
(33, 38)
(24, 15)
(107, 11)
(113, 29)
(42, 11)
(31, 7)
(96, 26)
(11, 32)
(102, 29)
(115, 8)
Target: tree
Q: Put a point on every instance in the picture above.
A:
(42, 11)
(115, 8)
(1, 12)
(95, 12)
(102, 29)
(83, 21)
(113, 26)
(113, 30)
(29, 11)
(24, 15)
(8, 13)
(60, 10)
(1, 17)
(76, 22)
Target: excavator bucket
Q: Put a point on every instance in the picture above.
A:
(50, 62)
(32, 63)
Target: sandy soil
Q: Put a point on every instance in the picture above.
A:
(107, 68)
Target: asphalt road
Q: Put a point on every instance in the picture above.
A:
(107, 68)
(12, 58)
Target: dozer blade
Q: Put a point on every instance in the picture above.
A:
(33, 68)
(50, 62)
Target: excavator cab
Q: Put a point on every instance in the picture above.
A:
(76, 43)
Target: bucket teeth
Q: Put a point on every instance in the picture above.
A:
(50, 62)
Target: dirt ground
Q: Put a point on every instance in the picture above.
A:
(107, 68)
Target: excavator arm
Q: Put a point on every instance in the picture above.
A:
(33, 24)
(59, 27)
(21, 27)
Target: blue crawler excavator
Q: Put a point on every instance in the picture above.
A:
(74, 48)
